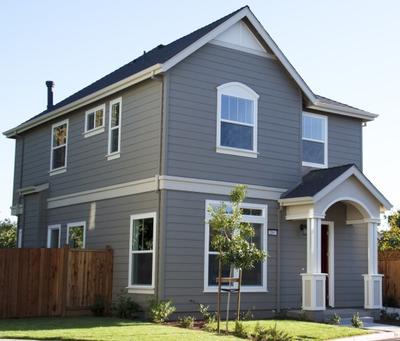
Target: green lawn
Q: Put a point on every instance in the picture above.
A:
(112, 329)
(303, 330)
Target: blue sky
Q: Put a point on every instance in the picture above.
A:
(346, 50)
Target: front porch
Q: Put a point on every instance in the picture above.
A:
(328, 200)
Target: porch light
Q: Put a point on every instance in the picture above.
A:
(303, 229)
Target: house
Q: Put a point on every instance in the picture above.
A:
(134, 159)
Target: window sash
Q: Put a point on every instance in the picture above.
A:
(254, 219)
(112, 128)
(133, 252)
(82, 225)
(323, 140)
(59, 146)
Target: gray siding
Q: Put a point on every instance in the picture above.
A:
(34, 220)
(184, 254)
(111, 226)
(87, 166)
(351, 259)
(192, 119)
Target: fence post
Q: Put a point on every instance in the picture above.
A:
(64, 278)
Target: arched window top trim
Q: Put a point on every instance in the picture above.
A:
(237, 89)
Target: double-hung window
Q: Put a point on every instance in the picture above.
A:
(237, 107)
(59, 142)
(315, 140)
(76, 235)
(114, 132)
(254, 280)
(141, 252)
(94, 121)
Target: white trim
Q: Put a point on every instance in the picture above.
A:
(95, 130)
(50, 228)
(111, 155)
(144, 289)
(342, 110)
(137, 290)
(331, 261)
(109, 192)
(238, 90)
(324, 141)
(242, 48)
(107, 91)
(76, 224)
(178, 183)
(262, 220)
(163, 182)
(59, 170)
(33, 189)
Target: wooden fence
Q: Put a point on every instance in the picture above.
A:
(53, 282)
(389, 266)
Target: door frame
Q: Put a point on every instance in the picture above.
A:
(331, 261)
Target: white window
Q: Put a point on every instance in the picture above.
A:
(94, 121)
(254, 280)
(59, 142)
(76, 235)
(141, 252)
(114, 132)
(237, 107)
(315, 137)
(53, 236)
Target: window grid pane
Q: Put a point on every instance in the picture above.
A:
(142, 235)
(75, 237)
(313, 128)
(237, 109)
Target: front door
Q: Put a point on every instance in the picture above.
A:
(325, 258)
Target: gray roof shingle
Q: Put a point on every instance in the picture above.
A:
(315, 181)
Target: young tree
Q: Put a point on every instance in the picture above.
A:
(390, 240)
(8, 234)
(232, 237)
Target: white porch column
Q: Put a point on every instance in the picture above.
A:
(313, 281)
(372, 280)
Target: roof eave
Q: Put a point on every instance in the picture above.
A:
(336, 109)
(109, 90)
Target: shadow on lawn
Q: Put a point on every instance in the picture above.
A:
(45, 323)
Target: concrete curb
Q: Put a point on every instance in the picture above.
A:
(371, 337)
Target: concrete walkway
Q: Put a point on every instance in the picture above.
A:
(380, 332)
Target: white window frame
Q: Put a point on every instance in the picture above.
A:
(50, 228)
(240, 90)
(263, 220)
(63, 169)
(95, 130)
(74, 224)
(325, 141)
(116, 154)
(143, 289)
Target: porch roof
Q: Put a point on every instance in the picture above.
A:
(318, 183)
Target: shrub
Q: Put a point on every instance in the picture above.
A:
(247, 316)
(98, 307)
(186, 322)
(335, 319)
(240, 330)
(126, 307)
(356, 321)
(270, 334)
(204, 312)
(160, 311)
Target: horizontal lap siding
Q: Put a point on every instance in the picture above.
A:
(192, 119)
(111, 226)
(184, 254)
(351, 259)
(87, 166)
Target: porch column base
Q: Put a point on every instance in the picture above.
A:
(373, 291)
(313, 291)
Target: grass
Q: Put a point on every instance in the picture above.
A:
(303, 330)
(112, 329)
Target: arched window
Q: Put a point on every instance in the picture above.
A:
(237, 120)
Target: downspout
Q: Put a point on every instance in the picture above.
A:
(21, 198)
(278, 261)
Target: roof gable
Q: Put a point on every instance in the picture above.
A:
(163, 57)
